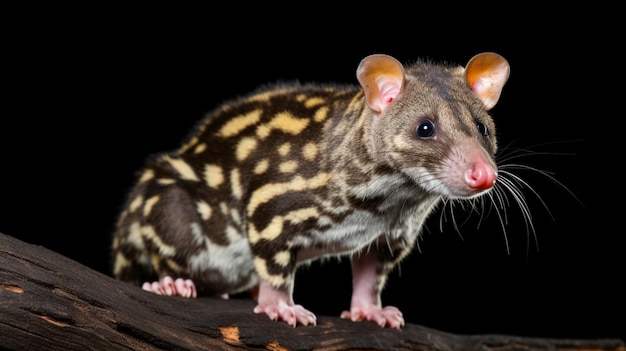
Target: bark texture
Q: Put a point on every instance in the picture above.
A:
(48, 301)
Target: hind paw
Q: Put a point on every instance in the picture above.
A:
(169, 287)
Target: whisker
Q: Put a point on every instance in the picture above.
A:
(508, 153)
(511, 190)
(543, 173)
(521, 202)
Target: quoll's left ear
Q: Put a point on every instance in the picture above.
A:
(486, 74)
(381, 77)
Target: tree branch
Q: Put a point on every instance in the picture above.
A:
(51, 302)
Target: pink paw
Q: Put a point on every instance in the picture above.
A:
(387, 316)
(291, 314)
(169, 287)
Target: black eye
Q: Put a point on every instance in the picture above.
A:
(482, 129)
(425, 130)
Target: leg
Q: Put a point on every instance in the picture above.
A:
(369, 275)
(278, 303)
(163, 230)
(275, 295)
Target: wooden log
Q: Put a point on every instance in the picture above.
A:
(48, 301)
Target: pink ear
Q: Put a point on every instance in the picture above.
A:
(486, 75)
(381, 77)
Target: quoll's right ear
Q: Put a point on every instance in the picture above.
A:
(381, 77)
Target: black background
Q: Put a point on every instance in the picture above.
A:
(89, 93)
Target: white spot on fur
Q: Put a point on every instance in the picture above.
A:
(149, 203)
(134, 237)
(147, 175)
(284, 122)
(238, 124)
(261, 166)
(321, 114)
(203, 209)
(135, 204)
(236, 183)
(199, 148)
(309, 151)
(182, 167)
(213, 175)
(245, 147)
(282, 258)
(166, 181)
(284, 149)
(288, 166)
(224, 208)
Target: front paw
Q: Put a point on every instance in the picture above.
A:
(291, 314)
(388, 316)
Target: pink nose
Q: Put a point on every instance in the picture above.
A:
(481, 177)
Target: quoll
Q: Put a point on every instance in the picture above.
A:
(295, 172)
